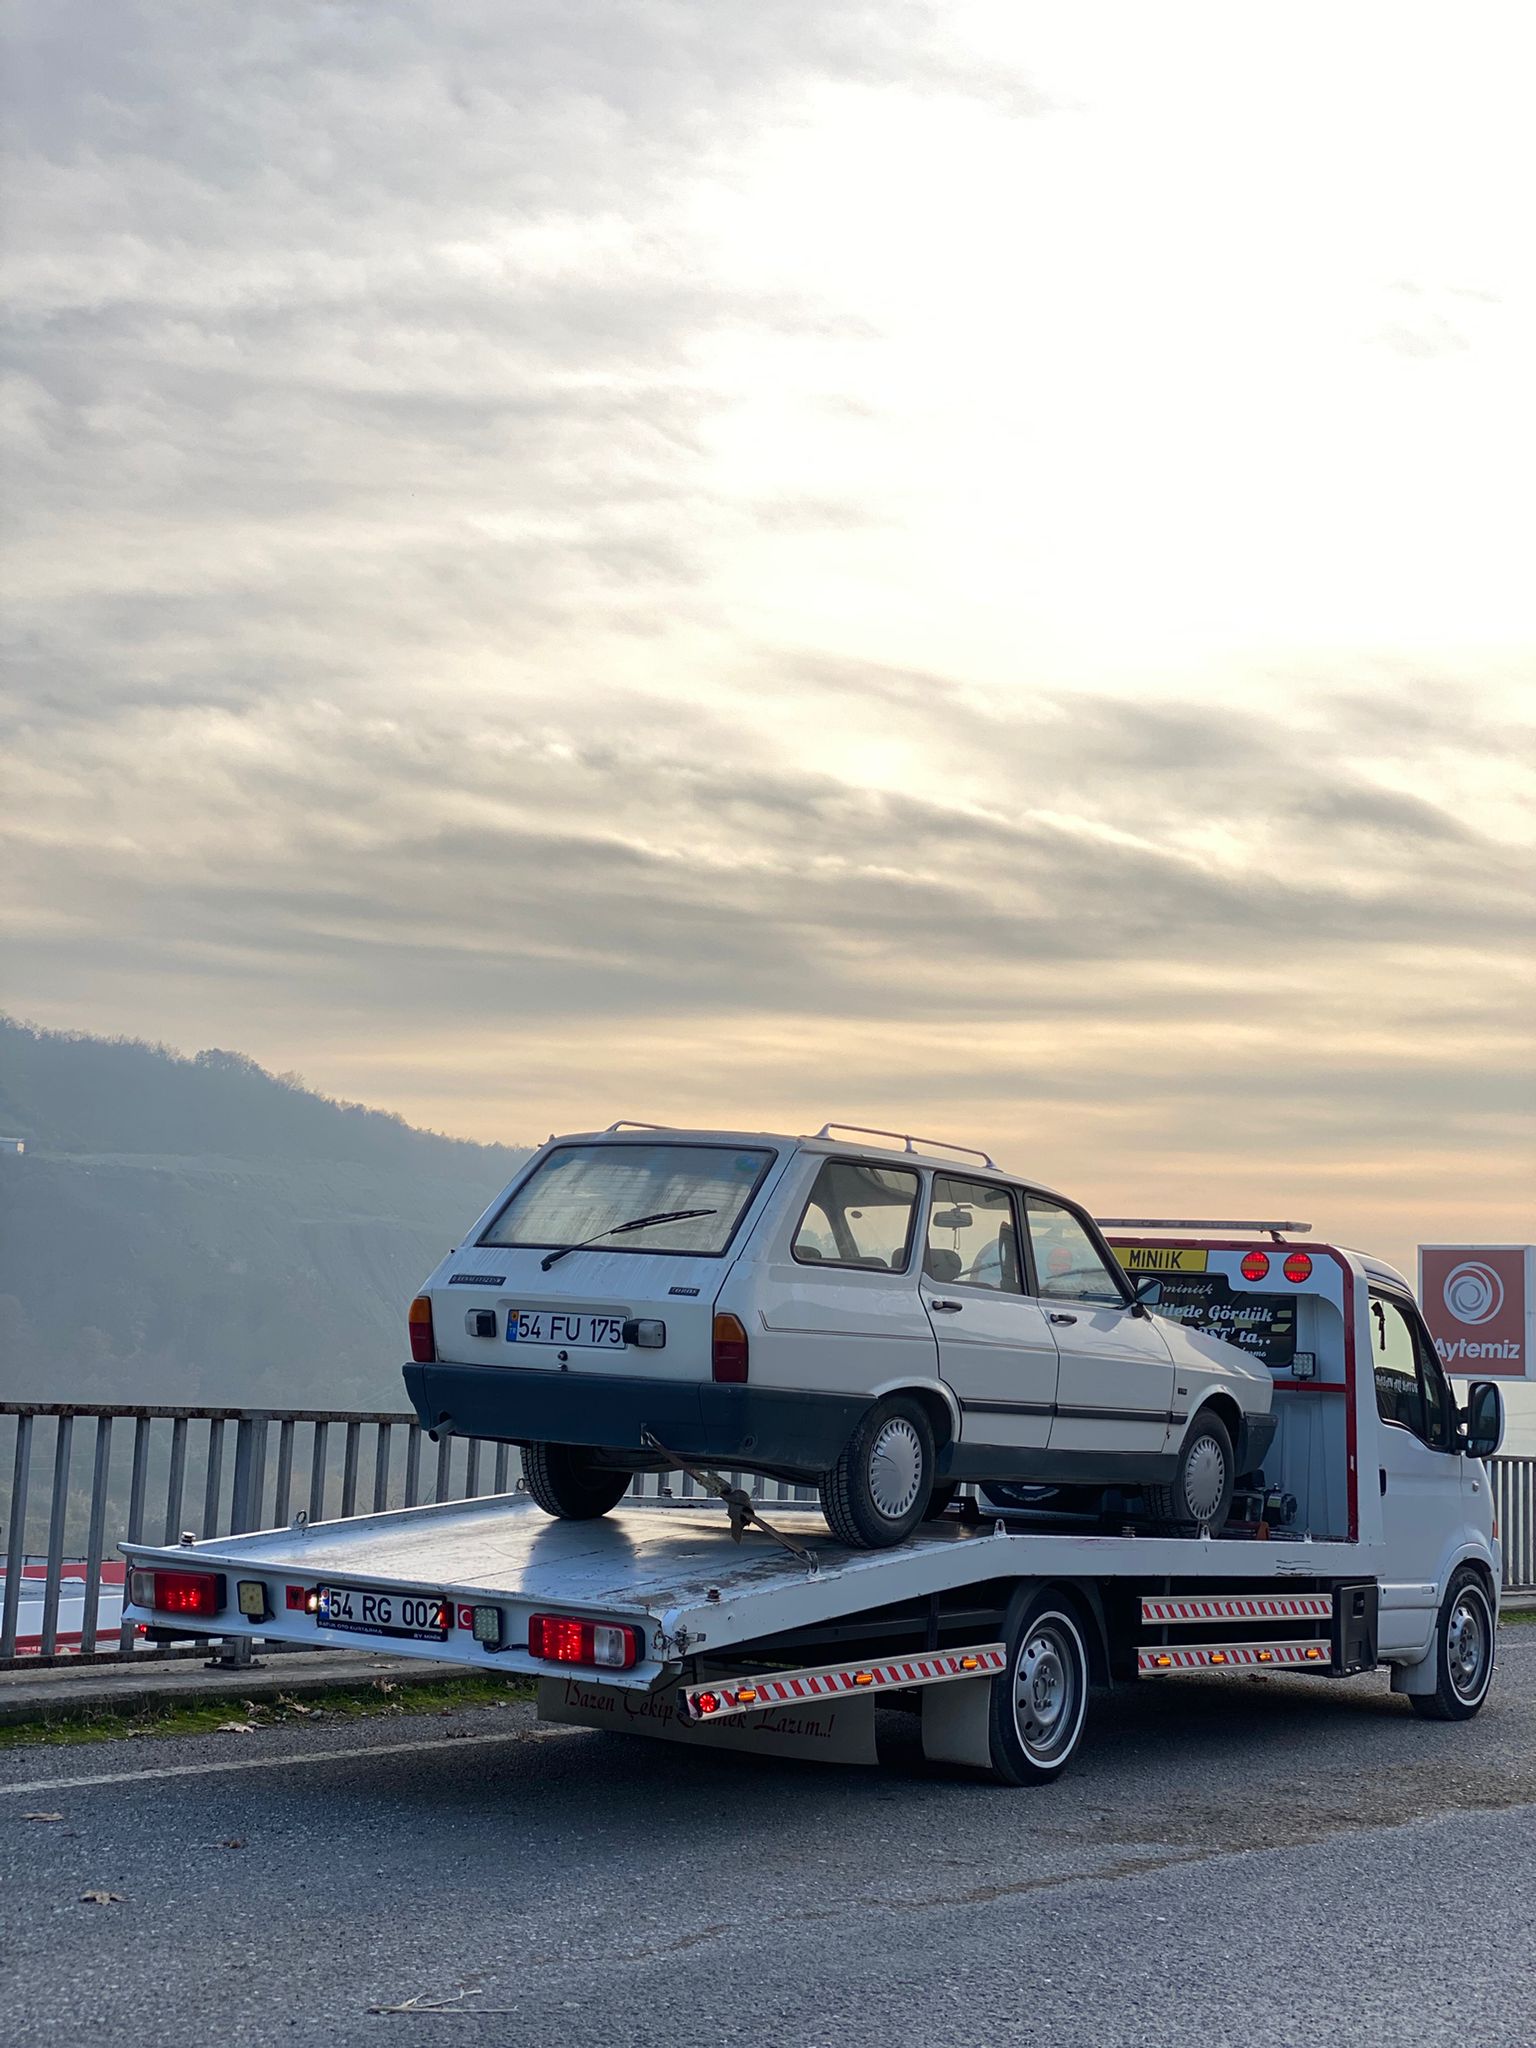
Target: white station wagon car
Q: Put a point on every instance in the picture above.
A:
(880, 1324)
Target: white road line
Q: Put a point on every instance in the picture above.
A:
(277, 1763)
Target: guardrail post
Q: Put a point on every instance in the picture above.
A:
(244, 1514)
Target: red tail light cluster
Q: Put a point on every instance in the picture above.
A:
(1298, 1267)
(423, 1344)
(185, 1593)
(566, 1639)
(728, 1355)
(1255, 1265)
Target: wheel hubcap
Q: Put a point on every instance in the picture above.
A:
(1205, 1478)
(1045, 1690)
(1466, 1648)
(895, 1467)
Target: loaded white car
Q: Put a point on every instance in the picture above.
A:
(881, 1324)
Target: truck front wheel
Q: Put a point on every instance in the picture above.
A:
(566, 1481)
(1463, 1653)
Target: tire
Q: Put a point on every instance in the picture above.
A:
(1201, 1492)
(1040, 1701)
(1464, 1651)
(941, 1500)
(879, 1489)
(566, 1483)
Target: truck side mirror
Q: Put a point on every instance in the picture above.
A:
(1149, 1291)
(1482, 1420)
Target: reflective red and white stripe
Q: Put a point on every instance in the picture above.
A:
(1162, 1662)
(787, 1688)
(1242, 1607)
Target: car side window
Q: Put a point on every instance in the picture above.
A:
(858, 1215)
(973, 1236)
(1068, 1264)
(1410, 1388)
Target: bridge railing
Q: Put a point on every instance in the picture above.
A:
(83, 1479)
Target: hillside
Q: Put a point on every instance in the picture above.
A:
(201, 1231)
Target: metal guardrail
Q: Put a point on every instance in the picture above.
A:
(85, 1478)
(1513, 1482)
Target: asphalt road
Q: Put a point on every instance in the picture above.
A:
(1252, 1861)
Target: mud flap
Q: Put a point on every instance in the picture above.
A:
(825, 1731)
(1423, 1675)
(957, 1723)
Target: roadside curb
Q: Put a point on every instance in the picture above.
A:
(65, 1693)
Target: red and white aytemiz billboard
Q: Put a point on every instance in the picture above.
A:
(1480, 1303)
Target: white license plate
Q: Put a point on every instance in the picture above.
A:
(584, 1332)
(422, 1617)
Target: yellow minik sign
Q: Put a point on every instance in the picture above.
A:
(1161, 1258)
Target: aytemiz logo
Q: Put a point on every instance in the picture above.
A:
(1480, 1304)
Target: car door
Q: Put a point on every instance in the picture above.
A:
(1419, 1467)
(1115, 1392)
(996, 1349)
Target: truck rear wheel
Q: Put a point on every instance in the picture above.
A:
(879, 1489)
(1463, 1653)
(566, 1481)
(1039, 1702)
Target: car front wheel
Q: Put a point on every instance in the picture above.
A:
(1201, 1492)
(879, 1489)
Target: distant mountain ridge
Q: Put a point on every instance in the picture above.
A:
(199, 1230)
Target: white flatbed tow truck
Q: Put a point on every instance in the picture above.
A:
(1372, 1542)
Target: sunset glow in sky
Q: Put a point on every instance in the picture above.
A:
(964, 567)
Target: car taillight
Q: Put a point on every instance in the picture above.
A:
(196, 1593)
(728, 1356)
(423, 1344)
(1298, 1267)
(566, 1639)
(1255, 1265)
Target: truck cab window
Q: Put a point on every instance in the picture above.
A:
(1410, 1389)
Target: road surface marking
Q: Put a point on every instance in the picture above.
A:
(273, 1763)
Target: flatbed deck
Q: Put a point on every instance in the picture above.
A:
(673, 1570)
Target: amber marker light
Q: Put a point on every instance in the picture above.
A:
(970, 1663)
(745, 1695)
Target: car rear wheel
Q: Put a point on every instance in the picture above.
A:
(879, 1489)
(566, 1481)
(1201, 1493)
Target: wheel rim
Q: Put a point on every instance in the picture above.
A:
(1047, 1690)
(1205, 1478)
(895, 1468)
(1466, 1647)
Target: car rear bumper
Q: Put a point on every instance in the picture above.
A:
(698, 1419)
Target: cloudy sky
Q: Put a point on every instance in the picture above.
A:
(966, 567)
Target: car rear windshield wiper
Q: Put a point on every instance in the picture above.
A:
(614, 1229)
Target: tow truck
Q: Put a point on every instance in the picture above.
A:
(1370, 1541)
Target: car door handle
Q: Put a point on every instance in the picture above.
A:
(1056, 1316)
(949, 1308)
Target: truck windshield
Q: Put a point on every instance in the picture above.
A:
(583, 1191)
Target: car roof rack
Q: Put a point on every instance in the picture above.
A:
(1275, 1230)
(911, 1144)
(628, 1123)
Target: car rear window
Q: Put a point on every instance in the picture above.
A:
(584, 1191)
(858, 1215)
